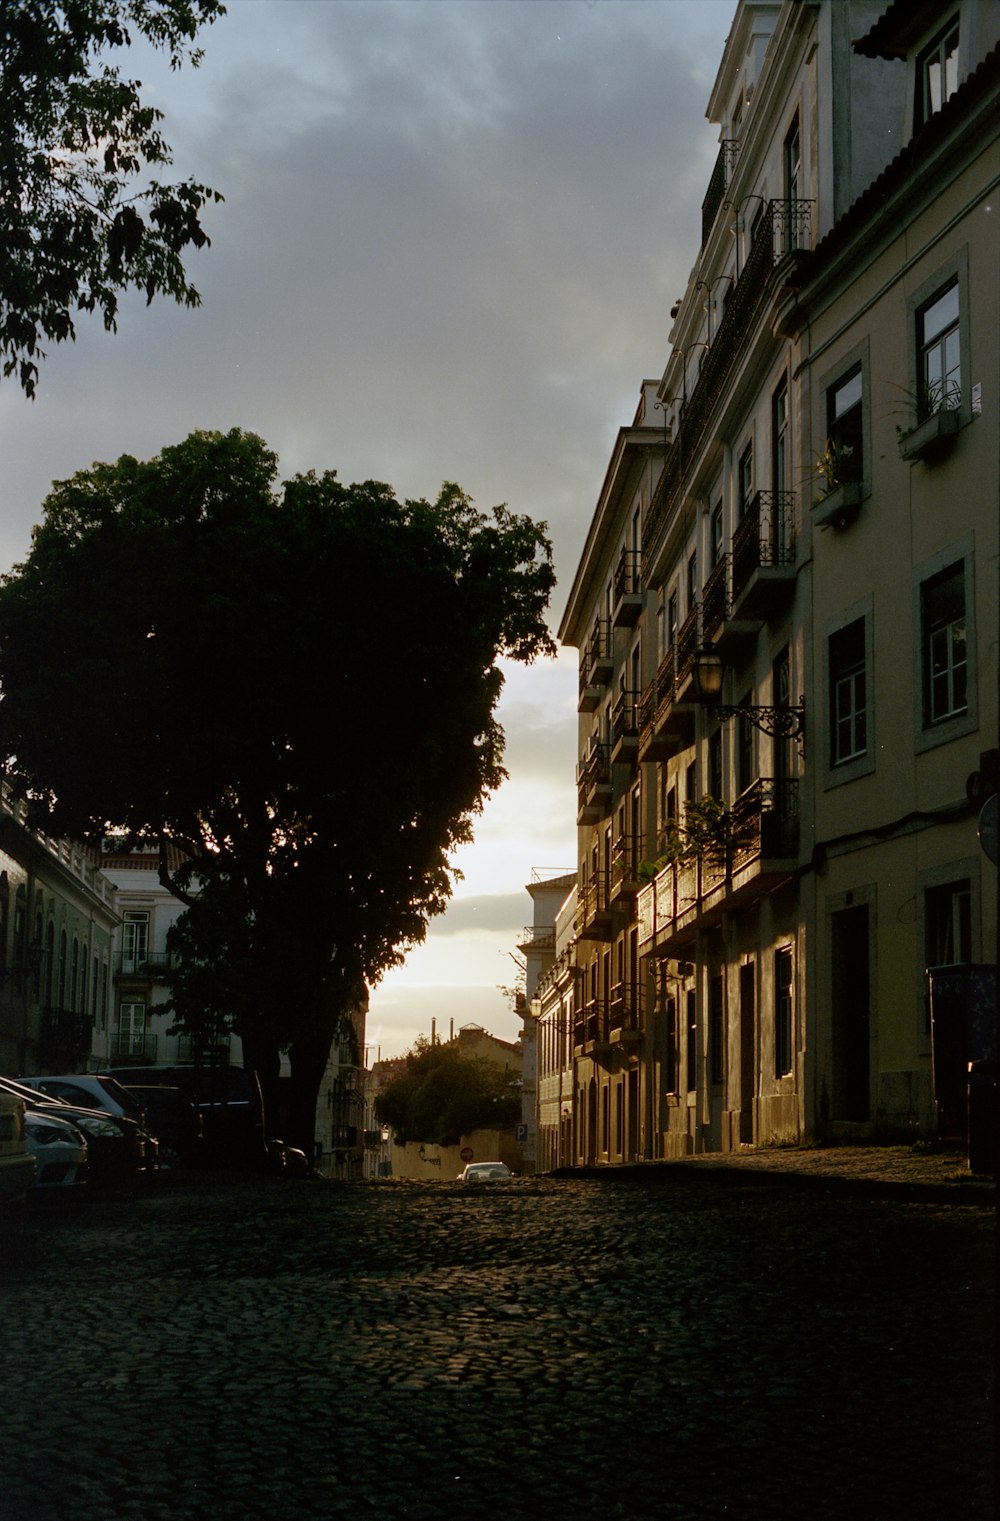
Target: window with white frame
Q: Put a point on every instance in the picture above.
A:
(848, 693)
(843, 461)
(939, 357)
(944, 650)
(937, 74)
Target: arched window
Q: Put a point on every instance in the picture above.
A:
(63, 947)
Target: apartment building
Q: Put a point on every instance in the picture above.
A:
(553, 1012)
(735, 817)
(57, 920)
(895, 327)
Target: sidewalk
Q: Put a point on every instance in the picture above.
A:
(889, 1171)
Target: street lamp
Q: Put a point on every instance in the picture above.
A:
(780, 722)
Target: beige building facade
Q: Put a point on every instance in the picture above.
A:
(762, 880)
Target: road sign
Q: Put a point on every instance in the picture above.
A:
(466, 1153)
(988, 828)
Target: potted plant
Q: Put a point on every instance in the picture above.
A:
(933, 418)
(841, 483)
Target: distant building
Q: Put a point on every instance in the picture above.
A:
(57, 923)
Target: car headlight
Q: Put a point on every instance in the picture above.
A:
(46, 1135)
(95, 1126)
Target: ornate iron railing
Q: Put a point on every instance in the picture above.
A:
(718, 184)
(766, 536)
(715, 600)
(784, 227)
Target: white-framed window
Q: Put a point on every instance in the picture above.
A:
(135, 939)
(131, 1028)
(845, 427)
(939, 352)
(848, 693)
(944, 645)
(937, 74)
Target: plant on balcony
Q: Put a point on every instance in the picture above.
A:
(930, 418)
(832, 467)
(704, 832)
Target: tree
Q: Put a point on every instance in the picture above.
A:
(75, 227)
(295, 688)
(441, 1096)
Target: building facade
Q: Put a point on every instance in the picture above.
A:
(57, 921)
(748, 849)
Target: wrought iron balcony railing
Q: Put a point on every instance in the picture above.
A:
(718, 184)
(784, 227)
(765, 537)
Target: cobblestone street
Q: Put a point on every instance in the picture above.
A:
(673, 1348)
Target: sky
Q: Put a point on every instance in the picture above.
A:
(451, 237)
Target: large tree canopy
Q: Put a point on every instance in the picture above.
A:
(441, 1096)
(76, 228)
(295, 687)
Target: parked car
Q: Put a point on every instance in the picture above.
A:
(118, 1150)
(176, 1123)
(59, 1150)
(91, 1090)
(486, 1172)
(228, 1098)
(17, 1164)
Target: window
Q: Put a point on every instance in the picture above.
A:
(671, 620)
(692, 581)
(744, 746)
(716, 1029)
(937, 74)
(948, 923)
(844, 458)
(716, 787)
(779, 438)
(943, 645)
(939, 353)
(131, 1029)
(715, 535)
(782, 1012)
(692, 1040)
(792, 184)
(744, 483)
(135, 940)
(673, 1069)
(848, 693)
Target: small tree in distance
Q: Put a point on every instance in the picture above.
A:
(442, 1095)
(294, 687)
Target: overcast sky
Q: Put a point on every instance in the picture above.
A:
(451, 237)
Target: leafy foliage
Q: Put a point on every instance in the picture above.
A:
(75, 228)
(295, 688)
(442, 1096)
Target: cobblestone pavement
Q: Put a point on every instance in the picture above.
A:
(655, 1349)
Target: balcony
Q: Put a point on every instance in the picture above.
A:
(625, 857)
(755, 851)
(718, 184)
(763, 557)
(593, 910)
(146, 964)
(538, 937)
(664, 724)
(593, 781)
(627, 603)
(625, 1014)
(590, 1029)
(686, 652)
(783, 231)
(595, 666)
(65, 1030)
(131, 1045)
(625, 728)
(720, 631)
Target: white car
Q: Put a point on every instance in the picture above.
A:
(59, 1150)
(486, 1172)
(89, 1090)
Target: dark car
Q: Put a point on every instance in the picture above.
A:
(175, 1121)
(228, 1099)
(118, 1150)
